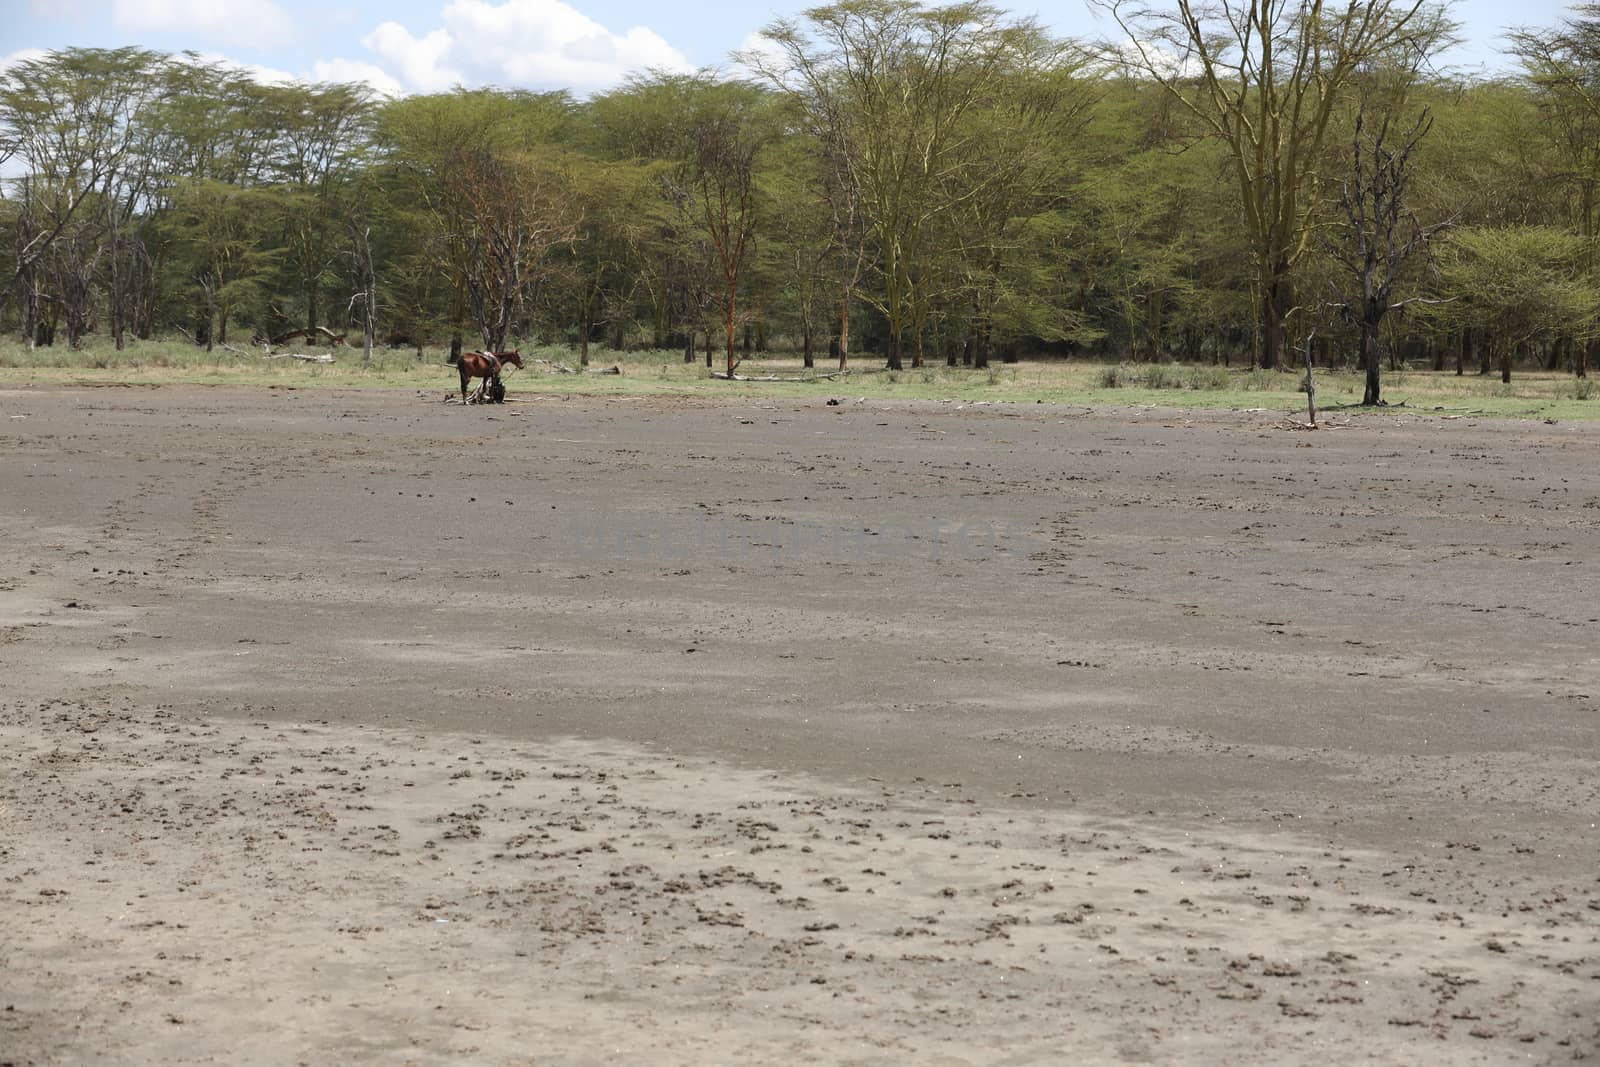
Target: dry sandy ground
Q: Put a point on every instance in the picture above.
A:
(359, 728)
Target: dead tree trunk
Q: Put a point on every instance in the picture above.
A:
(1379, 234)
(367, 295)
(844, 331)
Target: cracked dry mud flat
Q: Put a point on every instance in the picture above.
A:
(779, 733)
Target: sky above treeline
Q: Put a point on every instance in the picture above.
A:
(586, 46)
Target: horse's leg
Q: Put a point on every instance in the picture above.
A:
(465, 377)
(491, 373)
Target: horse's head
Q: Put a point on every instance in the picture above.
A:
(514, 357)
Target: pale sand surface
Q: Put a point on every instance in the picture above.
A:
(354, 728)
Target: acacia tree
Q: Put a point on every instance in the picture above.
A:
(421, 140)
(801, 237)
(802, 75)
(1515, 286)
(517, 212)
(1019, 165)
(218, 231)
(1562, 66)
(615, 200)
(73, 118)
(1380, 233)
(1145, 231)
(885, 86)
(643, 125)
(203, 126)
(1266, 76)
(729, 129)
(323, 140)
(136, 80)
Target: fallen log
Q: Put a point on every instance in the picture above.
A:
(724, 376)
(562, 368)
(333, 340)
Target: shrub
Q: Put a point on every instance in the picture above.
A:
(1208, 378)
(1262, 381)
(1114, 377)
(1163, 376)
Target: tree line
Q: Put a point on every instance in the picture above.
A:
(1260, 181)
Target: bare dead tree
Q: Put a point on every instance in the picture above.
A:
(516, 213)
(1381, 234)
(72, 264)
(366, 296)
(28, 241)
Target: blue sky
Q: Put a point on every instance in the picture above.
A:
(584, 45)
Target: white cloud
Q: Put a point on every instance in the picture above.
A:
(354, 70)
(420, 63)
(262, 75)
(322, 70)
(1149, 56)
(240, 22)
(761, 48)
(537, 44)
(21, 55)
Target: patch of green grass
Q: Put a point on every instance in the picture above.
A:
(663, 372)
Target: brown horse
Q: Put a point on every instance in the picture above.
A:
(485, 365)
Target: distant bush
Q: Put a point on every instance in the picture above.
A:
(1208, 378)
(1115, 377)
(1583, 389)
(1261, 381)
(1164, 376)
